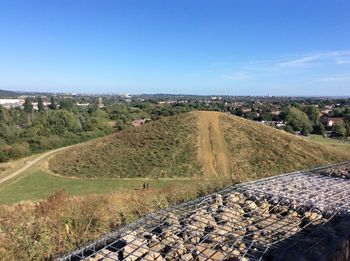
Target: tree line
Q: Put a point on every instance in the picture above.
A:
(302, 118)
(24, 131)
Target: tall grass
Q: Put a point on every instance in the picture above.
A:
(61, 223)
(163, 148)
(258, 151)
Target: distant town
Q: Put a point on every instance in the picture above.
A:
(327, 115)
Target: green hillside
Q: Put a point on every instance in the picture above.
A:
(163, 148)
(195, 144)
(257, 150)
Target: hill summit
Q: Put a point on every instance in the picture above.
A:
(206, 144)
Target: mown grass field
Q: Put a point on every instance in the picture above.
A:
(38, 185)
(338, 144)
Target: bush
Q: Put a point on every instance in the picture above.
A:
(14, 151)
(298, 120)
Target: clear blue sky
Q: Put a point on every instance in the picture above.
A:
(289, 47)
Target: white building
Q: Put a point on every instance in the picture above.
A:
(8, 103)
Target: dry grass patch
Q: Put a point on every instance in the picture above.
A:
(164, 148)
(259, 151)
(62, 223)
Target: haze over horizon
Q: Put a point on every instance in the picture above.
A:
(188, 47)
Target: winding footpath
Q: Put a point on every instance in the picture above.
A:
(29, 164)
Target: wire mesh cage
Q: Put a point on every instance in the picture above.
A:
(296, 216)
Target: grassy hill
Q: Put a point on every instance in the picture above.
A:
(212, 144)
(163, 148)
(198, 153)
(258, 150)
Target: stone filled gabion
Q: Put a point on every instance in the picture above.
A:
(342, 171)
(253, 221)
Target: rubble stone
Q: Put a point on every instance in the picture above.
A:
(231, 224)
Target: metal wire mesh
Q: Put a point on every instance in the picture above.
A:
(288, 217)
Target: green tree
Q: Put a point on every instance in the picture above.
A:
(266, 116)
(17, 115)
(298, 120)
(340, 130)
(66, 104)
(27, 106)
(238, 112)
(347, 120)
(313, 113)
(4, 115)
(40, 104)
(319, 129)
(60, 121)
(53, 105)
(92, 108)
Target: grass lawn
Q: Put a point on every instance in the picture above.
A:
(339, 144)
(38, 185)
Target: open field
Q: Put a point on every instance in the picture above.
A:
(38, 185)
(338, 144)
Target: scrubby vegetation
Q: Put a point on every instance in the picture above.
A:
(163, 148)
(169, 147)
(26, 131)
(258, 151)
(23, 133)
(61, 223)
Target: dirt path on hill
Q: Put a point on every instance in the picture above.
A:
(31, 163)
(213, 152)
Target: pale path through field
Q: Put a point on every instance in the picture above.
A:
(30, 163)
(212, 151)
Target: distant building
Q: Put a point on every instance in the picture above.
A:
(334, 121)
(125, 95)
(83, 104)
(246, 109)
(275, 112)
(8, 103)
(326, 111)
(100, 103)
(331, 121)
(35, 106)
(139, 122)
(280, 124)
